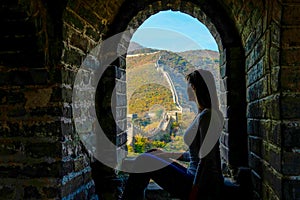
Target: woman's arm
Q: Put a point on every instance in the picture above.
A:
(203, 127)
(182, 156)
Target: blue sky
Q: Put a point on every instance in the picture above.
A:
(174, 31)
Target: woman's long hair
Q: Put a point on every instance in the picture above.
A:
(204, 86)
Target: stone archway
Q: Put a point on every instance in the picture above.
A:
(41, 154)
(232, 66)
(252, 46)
(82, 33)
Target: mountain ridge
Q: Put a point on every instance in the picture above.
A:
(177, 65)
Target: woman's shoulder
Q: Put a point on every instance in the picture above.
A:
(204, 112)
(208, 113)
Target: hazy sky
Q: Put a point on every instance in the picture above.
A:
(174, 31)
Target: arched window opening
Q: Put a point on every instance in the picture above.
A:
(162, 51)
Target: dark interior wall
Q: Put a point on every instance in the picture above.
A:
(31, 151)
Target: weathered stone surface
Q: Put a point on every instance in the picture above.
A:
(290, 106)
(291, 134)
(290, 79)
(44, 44)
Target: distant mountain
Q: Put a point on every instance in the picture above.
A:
(142, 51)
(205, 59)
(134, 46)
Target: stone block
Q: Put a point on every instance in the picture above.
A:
(253, 127)
(291, 188)
(66, 94)
(39, 129)
(271, 131)
(291, 134)
(258, 89)
(250, 60)
(272, 186)
(276, 11)
(290, 37)
(67, 166)
(121, 87)
(271, 107)
(275, 34)
(224, 152)
(79, 41)
(291, 163)
(290, 78)
(154, 191)
(290, 57)
(121, 139)
(256, 72)
(43, 169)
(290, 106)
(121, 100)
(73, 20)
(253, 110)
(256, 164)
(268, 192)
(93, 33)
(290, 15)
(272, 155)
(37, 149)
(56, 95)
(71, 183)
(50, 192)
(42, 76)
(45, 111)
(31, 192)
(9, 146)
(254, 34)
(255, 145)
(30, 77)
(38, 98)
(15, 97)
(7, 192)
(121, 113)
(72, 57)
(256, 182)
(88, 14)
(275, 84)
(224, 138)
(74, 5)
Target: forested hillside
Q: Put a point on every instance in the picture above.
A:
(141, 72)
(146, 87)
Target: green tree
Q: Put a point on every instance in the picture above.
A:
(141, 144)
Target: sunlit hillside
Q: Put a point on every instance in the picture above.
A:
(146, 86)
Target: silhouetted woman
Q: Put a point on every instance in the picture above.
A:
(203, 178)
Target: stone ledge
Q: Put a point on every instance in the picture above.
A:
(155, 192)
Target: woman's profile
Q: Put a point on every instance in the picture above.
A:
(202, 179)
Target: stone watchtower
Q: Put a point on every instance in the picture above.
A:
(44, 44)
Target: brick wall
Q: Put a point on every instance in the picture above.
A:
(30, 152)
(289, 83)
(271, 103)
(45, 43)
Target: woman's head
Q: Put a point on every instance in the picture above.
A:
(203, 85)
